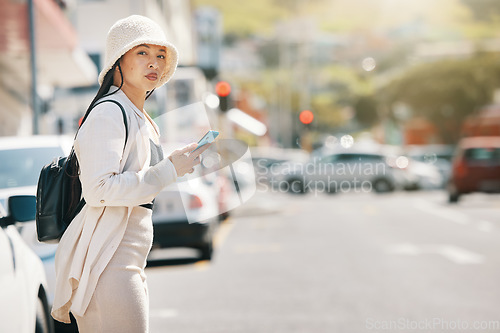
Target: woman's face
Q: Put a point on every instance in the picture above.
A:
(142, 68)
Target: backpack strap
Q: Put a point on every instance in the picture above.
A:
(124, 114)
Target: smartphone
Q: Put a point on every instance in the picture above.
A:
(209, 137)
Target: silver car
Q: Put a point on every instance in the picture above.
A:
(344, 171)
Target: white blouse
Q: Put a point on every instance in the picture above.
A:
(114, 179)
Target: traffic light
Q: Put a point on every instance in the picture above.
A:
(223, 90)
(306, 117)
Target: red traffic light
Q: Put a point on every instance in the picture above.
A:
(222, 88)
(306, 117)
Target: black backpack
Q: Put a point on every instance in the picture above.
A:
(59, 191)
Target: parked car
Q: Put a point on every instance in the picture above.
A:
(476, 167)
(437, 155)
(228, 163)
(422, 175)
(22, 159)
(342, 171)
(23, 294)
(266, 159)
(186, 213)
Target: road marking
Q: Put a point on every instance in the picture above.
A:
(201, 265)
(258, 248)
(163, 313)
(485, 226)
(370, 210)
(221, 234)
(404, 249)
(459, 255)
(292, 211)
(453, 253)
(445, 213)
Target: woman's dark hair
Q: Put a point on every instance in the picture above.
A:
(73, 169)
(107, 82)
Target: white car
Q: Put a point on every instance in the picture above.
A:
(425, 176)
(341, 171)
(22, 159)
(24, 307)
(438, 156)
(186, 213)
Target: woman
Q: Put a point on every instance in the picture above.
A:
(101, 257)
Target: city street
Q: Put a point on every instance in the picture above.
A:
(351, 262)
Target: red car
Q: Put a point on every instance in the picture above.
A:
(476, 167)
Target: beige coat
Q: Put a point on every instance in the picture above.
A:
(114, 180)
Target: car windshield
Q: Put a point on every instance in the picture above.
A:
(483, 154)
(21, 167)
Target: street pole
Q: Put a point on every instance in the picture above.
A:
(34, 93)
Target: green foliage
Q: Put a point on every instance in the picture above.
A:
(446, 91)
(366, 110)
(484, 19)
(245, 18)
(484, 10)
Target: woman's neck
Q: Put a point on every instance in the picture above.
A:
(136, 97)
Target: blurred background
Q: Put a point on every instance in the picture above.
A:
(367, 134)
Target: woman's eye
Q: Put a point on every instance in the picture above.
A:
(141, 52)
(161, 56)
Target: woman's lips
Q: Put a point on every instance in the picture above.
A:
(152, 77)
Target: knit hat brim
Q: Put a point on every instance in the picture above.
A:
(172, 59)
(143, 31)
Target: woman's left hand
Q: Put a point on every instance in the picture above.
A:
(184, 161)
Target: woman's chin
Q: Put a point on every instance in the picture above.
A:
(151, 85)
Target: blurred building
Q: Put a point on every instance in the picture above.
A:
(486, 122)
(208, 25)
(60, 60)
(93, 19)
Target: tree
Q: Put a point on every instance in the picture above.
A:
(366, 110)
(447, 91)
(484, 10)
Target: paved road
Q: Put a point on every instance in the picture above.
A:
(355, 262)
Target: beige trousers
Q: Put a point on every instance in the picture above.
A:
(120, 301)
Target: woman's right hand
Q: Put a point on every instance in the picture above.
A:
(183, 161)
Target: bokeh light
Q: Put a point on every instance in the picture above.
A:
(331, 141)
(368, 64)
(347, 141)
(402, 162)
(211, 100)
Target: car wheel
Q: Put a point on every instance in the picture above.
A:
(382, 186)
(453, 195)
(453, 198)
(206, 252)
(411, 187)
(223, 216)
(42, 322)
(296, 186)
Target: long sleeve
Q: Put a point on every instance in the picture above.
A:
(100, 148)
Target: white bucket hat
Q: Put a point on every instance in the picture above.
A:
(135, 30)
